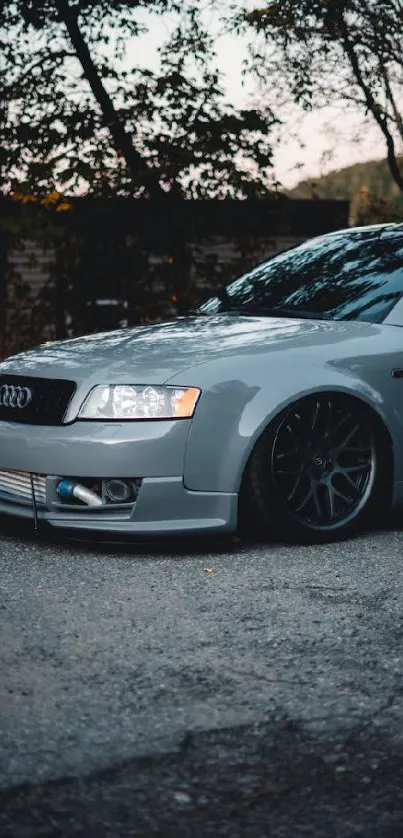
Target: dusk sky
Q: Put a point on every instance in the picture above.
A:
(331, 140)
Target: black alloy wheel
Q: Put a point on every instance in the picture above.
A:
(314, 474)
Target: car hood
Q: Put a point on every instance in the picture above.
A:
(154, 354)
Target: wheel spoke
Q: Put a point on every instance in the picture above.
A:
(349, 501)
(296, 429)
(316, 501)
(315, 416)
(288, 463)
(284, 454)
(294, 489)
(349, 480)
(355, 449)
(329, 418)
(356, 469)
(329, 501)
(322, 460)
(292, 434)
(340, 424)
(305, 500)
(351, 434)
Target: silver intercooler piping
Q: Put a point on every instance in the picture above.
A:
(68, 489)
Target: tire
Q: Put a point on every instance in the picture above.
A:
(314, 474)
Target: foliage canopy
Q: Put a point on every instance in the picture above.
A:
(323, 52)
(80, 114)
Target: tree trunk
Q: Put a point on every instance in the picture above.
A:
(141, 172)
(371, 103)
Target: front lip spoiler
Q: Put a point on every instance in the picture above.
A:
(108, 540)
(164, 507)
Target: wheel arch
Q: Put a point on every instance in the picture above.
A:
(383, 434)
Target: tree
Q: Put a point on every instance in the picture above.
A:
(79, 115)
(334, 51)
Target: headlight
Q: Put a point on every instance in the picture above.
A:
(129, 401)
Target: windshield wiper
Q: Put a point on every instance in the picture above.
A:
(295, 313)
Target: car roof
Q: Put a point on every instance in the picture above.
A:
(368, 228)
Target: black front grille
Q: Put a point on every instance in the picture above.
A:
(50, 399)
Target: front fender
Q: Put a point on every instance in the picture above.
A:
(232, 413)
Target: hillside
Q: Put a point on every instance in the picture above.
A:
(372, 178)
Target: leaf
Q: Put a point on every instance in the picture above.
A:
(52, 198)
(59, 137)
(64, 207)
(208, 569)
(28, 199)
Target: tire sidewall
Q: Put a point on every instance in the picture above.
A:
(264, 511)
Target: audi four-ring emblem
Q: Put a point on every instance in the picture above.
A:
(14, 396)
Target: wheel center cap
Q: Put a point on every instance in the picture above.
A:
(319, 460)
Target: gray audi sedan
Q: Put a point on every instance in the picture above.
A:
(276, 408)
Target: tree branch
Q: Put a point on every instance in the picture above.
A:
(371, 103)
(141, 172)
(392, 101)
(57, 57)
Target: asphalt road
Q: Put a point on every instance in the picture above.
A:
(142, 695)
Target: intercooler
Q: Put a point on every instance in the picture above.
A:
(16, 486)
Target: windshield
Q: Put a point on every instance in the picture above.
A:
(355, 275)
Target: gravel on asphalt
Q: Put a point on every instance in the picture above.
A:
(196, 689)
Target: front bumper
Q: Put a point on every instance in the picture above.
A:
(151, 451)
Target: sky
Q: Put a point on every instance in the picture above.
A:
(330, 140)
(324, 141)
